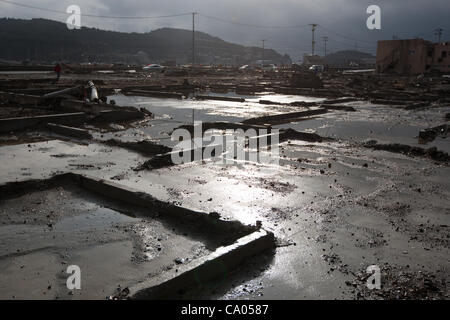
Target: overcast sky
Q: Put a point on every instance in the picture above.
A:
(343, 21)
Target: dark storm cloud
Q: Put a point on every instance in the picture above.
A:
(344, 21)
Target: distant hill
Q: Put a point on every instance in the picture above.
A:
(344, 58)
(46, 40)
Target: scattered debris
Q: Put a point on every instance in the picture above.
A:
(432, 153)
(291, 134)
(232, 99)
(401, 283)
(428, 135)
(285, 117)
(69, 131)
(145, 147)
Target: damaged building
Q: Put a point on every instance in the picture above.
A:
(412, 56)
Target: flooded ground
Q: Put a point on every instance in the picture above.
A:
(335, 207)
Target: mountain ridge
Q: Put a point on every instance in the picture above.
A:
(48, 40)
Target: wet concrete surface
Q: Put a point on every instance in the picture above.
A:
(335, 207)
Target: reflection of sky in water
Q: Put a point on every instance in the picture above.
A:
(211, 110)
(381, 123)
(371, 122)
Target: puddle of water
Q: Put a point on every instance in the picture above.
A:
(371, 122)
(442, 144)
(206, 111)
(360, 130)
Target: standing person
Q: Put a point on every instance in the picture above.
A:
(57, 70)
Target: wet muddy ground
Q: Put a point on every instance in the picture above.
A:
(46, 231)
(335, 207)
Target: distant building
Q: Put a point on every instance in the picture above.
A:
(412, 56)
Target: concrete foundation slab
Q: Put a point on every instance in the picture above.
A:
(120, 238)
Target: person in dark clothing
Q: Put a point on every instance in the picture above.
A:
(57, 70)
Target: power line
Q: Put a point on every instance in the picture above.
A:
(92, 15)
(438, 33)
(314, 26)
(343, 36)
(352, 44)
(174, 15)
(253, 25)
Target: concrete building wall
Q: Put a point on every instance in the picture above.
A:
(412, 56)
(441, 57)
(403, 56)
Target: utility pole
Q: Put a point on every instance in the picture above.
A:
(262, 63)
(438, 32)
(193, 39)
(314, 26)
(325, 39)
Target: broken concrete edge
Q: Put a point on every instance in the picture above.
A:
(389, 102)
(157, 162)
(216, 265)
(325, 93)
(340, 100)
(291, 134)
(165, 160)
(22, 123)
(327, 104)
(418, 105)
(270, 102)
(74, 118)
(59, 93)
(293, 103)
(69, 131)
(20, 97)
(339, 108)
(144, 147)
(156, 94)
(402, 96)
(249, 240)
(222, 125)
(406, 104)
(83, 106)
(161, 88)
(431, 133)
(16, 188)
(138, 198)
(96, 108)
(212, 222)
(285, 116)
(432, 153)
(220, 98)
